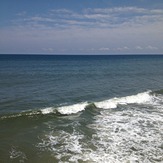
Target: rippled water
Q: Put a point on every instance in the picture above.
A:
(81, 109)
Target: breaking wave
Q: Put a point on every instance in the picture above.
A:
(148, 97)
(140, 98)
(127, 129)
(132, 133)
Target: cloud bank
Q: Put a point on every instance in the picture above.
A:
(119, 30)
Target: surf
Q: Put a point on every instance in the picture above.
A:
(148, 97)
(127, 129)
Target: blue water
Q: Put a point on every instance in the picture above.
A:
(35, 88)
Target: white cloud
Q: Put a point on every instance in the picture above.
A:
(21, 13)
(138, 48)
(97, 18)
(152, 47)
(91, 30)
(49, 50)
(156, 11)
(61, 11)
(125, 48)
(39, 18)
(118, 10)
(104, 49)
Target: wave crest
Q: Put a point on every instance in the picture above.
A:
(140, 98)
(147, 97)
(137, 99)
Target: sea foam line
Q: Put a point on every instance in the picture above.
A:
(139, 98)
(133, 99)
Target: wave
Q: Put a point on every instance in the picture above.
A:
(114, 102)
(106, 104)
(147, 97)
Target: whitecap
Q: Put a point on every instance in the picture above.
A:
(137, 99)
(47, 110)
(72, 109)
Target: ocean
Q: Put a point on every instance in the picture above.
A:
(81, 108)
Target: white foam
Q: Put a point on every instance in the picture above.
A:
(119, 136)
(72, 109)
(140, 98)
(17, 154)
(47, 110)
(129, 135)
(63, 144)
(112, 103)
(106, 104)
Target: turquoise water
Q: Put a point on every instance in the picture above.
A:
(81, 108)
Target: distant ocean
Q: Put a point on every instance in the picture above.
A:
(81, 109)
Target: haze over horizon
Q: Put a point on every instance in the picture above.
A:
(81, 27)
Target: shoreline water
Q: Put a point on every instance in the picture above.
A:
(81, 109)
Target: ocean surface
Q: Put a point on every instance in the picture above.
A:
(81, 109)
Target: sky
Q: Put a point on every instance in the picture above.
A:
(81, 27)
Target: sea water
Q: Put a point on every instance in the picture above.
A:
(86, 109)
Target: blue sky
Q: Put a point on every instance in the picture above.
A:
(81, 27)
